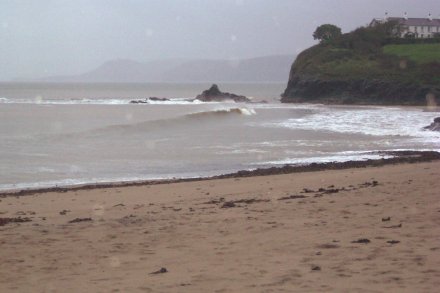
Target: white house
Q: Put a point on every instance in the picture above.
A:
(416, 27)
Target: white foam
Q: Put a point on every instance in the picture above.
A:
(337, 157)
(102, 101)
(247, 112)
(374, 121)
(41, 101)
(176, 102)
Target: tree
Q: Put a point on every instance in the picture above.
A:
(326, 32)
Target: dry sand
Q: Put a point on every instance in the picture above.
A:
(232, 235)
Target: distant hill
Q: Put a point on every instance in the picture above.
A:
(261, 69)
(269, 69)
(122, 70)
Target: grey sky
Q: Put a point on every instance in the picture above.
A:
(51, 37)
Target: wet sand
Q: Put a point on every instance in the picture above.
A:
(374, 229)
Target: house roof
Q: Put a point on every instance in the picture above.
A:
(416, 21)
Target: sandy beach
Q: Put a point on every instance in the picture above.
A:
(374, 229)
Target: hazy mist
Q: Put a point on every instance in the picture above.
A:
(62, 37)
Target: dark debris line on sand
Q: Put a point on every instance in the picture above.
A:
(78, 220)
(292, 197)
(399, 157)
(233, 203)
(362, 240)
(4, 221)
(330, 190)
(318, 193)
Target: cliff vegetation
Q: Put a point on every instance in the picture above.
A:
(367, 66)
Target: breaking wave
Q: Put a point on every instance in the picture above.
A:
(185, 121)
(223, 112)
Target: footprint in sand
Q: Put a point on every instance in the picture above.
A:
(98, 210)
(115, 262)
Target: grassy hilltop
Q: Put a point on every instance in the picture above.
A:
(367, 66)
(419, 53)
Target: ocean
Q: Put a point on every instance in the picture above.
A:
(67, 134)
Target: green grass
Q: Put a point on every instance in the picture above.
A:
(420, 53)
(351, 68)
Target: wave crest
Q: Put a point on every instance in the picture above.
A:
(185, 121)
(223, 112)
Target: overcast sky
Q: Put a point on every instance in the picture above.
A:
(51, 37)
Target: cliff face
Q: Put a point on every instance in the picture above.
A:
(355, 70)
(359, 91)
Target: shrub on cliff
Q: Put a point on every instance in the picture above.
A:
(326, 32)
(368, 39)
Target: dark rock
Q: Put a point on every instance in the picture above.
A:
(330, 191)
(393, 241)
(139, 101)
(316, 268)
(228, 204)
(4, 221)
(361, 240)
(156, 99)
(78, 220)
(328, 246)
(161, 271)
(150, 99)
(367, 184)
(213, 94)
(386, 219)
(63, 212)
(434, 126)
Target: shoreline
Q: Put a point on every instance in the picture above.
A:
(399, 157)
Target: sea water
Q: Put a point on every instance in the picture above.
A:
(65, 134)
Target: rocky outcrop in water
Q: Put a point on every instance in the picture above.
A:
(150, 99)
(213, 94)
(435, 126)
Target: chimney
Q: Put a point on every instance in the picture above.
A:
(430, 17)
(405, 15)
(386, 15)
